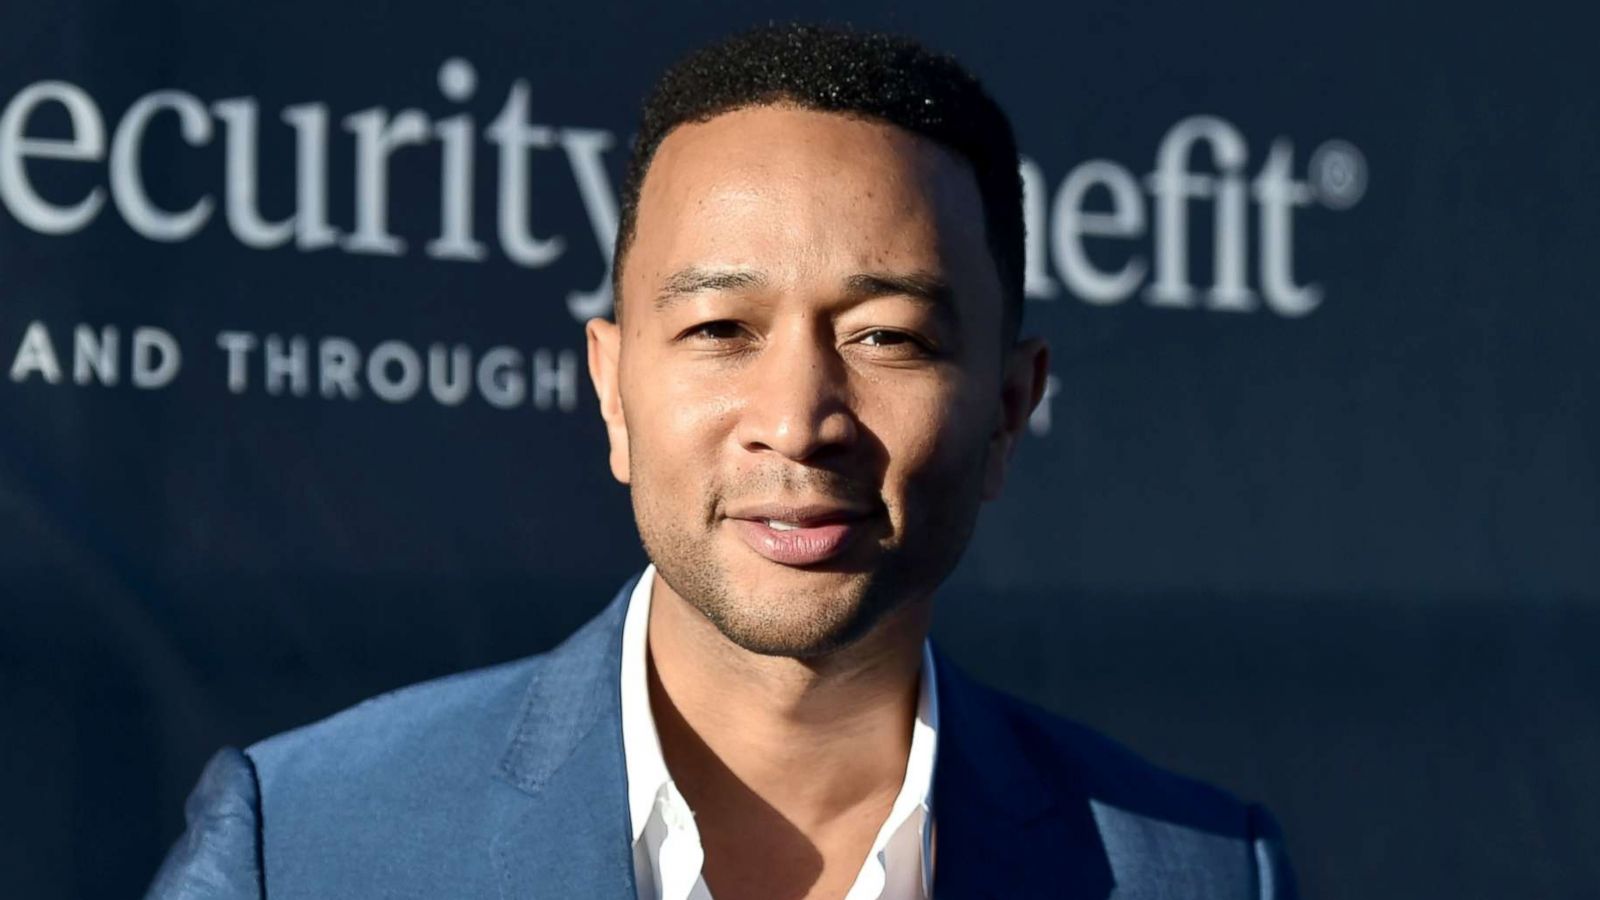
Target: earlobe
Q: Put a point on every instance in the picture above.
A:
(604, 344)
(1027, 369)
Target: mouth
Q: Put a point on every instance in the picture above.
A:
(799, 535)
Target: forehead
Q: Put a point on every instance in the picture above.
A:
(796, 191)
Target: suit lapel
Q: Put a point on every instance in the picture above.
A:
(1004, 826)
(565, 829)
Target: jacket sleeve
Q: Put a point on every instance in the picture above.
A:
(219, 855)
(1274, 878)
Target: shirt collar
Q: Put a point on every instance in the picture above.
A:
(647, 768)
(641, 745)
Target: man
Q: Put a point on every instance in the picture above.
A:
(812, 382)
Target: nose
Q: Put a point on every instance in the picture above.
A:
(796, 399)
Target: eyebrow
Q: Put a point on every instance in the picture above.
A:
(695, 280)
(926, 287)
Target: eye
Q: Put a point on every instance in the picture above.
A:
(897, 342)
(718, 330)
(886, 338)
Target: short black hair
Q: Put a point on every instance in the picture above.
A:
(857, 73)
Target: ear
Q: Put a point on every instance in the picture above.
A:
(1027, 368)
(605, 349)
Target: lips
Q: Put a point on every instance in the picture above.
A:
(798, 535)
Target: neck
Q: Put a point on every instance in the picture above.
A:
(812, 741)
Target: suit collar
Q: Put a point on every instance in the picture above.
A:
(1012, 819)
(573, 692)
(1009, 822)
(568, 834)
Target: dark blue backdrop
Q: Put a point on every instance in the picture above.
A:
(1312, 511)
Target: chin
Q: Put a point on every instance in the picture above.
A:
(795, 638)
(797, 613)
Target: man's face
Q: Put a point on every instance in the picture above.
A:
(807, 389)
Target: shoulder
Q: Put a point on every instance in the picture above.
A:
(455, 718)
(1113, 774)
(1155, 825)
(1070, 756)
(454, 727)
(315, 810)
(383, 798)
(387, 797)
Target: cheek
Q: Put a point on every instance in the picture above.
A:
(675, 431)
(934, 443)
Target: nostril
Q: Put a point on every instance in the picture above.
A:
(799, 439)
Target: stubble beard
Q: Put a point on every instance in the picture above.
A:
(803, 625)
(774, 622)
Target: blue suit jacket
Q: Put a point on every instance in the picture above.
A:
(510, 782)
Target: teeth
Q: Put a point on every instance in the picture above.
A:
(777, 525)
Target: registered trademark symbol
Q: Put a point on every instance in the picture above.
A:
(1338, 174)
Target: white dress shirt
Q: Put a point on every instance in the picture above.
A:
(667, 855)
